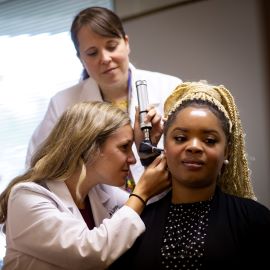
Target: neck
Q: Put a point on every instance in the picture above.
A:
(184, 194)
(118, 99)
(114, 95)
(113, 92)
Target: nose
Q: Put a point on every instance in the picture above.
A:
(131, 158)
(194, 146)
(105, 57)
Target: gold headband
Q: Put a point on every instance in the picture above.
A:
(194, 91)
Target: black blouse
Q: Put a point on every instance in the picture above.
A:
(87, 214)
(184, 235)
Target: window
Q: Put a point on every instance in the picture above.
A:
(37, 60)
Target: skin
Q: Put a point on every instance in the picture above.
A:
(111, 167)
(106, 60)
(196, 148)
(103, 171)
(117, 148)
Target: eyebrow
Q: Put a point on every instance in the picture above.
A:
(206, 130)
(125, 141)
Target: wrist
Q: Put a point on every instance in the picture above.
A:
(143, 201)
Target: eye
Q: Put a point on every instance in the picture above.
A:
(111, 46)
(180, 138)
(210, 141)
(125, 147)
(92, 53)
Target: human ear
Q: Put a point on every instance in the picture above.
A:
(227, 151)
(164, 152)
(126, 39)
(226, 154)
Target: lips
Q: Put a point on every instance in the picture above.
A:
(193, 164)
(109, 70)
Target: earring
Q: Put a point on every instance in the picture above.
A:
(226, 162)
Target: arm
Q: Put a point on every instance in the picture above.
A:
(44, 228)
(154, 180)
(41, 226)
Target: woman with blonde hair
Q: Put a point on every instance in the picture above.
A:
(67, 210)
(210, 219)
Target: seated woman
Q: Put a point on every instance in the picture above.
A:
(210, 219)
(67, 210)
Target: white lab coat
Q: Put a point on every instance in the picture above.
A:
(45, 229)
(159, 87)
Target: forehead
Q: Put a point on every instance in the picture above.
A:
(124, 133)
(87, 34)
(195, 117)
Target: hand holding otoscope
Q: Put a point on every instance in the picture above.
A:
(147, 151)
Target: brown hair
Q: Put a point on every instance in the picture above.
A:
(101, 20)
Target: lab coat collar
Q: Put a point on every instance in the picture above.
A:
(102, 203)
(154, 97)
(60, 189)
(90, 90)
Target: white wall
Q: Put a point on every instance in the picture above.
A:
(220, 41)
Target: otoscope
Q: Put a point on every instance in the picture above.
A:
(147, 151)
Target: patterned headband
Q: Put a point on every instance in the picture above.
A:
(194, 91)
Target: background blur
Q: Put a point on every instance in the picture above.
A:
(221, 41)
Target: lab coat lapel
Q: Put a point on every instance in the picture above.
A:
(90, 91)
(60, 189)
(103, 204)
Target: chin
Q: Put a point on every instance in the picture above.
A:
(195, 183)
(200, 184)
(120, 184)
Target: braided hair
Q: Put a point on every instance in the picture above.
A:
(235, 176)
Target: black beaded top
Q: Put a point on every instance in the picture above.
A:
(184, 235)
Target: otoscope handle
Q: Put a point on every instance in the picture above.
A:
(143, 102)
(147, 151)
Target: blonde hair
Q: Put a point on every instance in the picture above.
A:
(235, 178)
(76, 139)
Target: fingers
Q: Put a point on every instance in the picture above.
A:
(152, 115)
(157, 125)
(159, 161)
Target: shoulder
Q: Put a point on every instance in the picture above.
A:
(86, 90)
(31, 186)
(154, 76)
(158, 209)
(74, 91)
(245, 202)
(30, 190)
(247, 208)
(26, 196)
